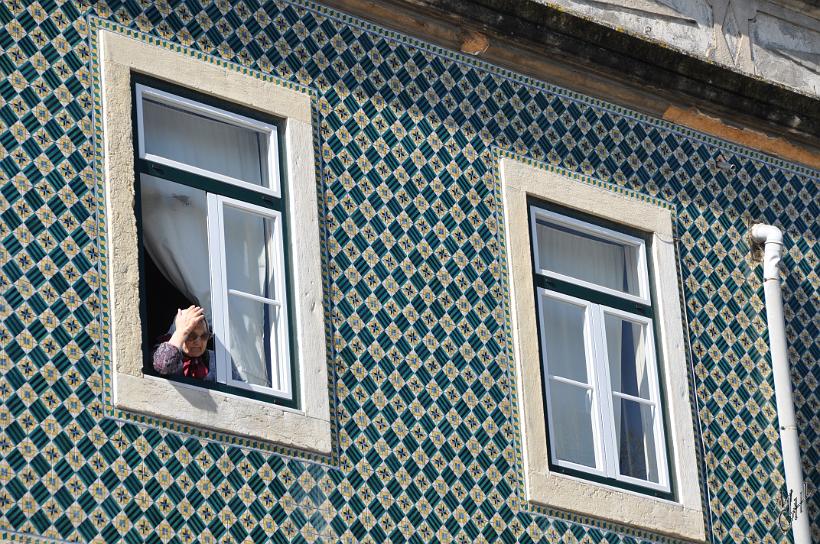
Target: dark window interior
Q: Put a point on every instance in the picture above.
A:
(162, 300)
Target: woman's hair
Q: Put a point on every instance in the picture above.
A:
(173, 327)
(207, 325)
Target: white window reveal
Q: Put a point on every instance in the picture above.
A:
(600, 374)
(212, 223)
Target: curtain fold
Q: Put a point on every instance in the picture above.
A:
(175, 235)
(248, 253)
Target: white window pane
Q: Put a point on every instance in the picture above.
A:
(626, 344)
(572, 437)
(193, 139)
(175, 235)
(637, 452)
(252, 328)
(563, 335)
(250, 252)
(587, 257)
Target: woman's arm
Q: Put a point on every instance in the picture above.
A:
(168, 355)
(185, 322)
(168, 359)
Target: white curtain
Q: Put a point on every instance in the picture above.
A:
(249, 260)
(587, 258)
(175, 235)
(205, 143)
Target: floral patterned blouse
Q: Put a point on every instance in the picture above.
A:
(170, 361)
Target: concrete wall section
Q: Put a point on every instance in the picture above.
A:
(775, 41)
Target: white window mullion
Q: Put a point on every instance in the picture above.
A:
(657, 411)
(273, 160)
(140, 127)
(607, 412)
(639, 400)
(663, 466)
(598, 398)
(280, 360)
(643, 273)
(219, 301)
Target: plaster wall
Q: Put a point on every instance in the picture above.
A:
(775, 41)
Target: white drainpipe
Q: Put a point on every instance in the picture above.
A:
(797, 510)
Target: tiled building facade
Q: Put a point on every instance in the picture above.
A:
(424, 405)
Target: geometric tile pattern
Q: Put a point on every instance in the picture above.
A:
(408, 138)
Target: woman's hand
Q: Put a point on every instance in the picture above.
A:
(186, 321)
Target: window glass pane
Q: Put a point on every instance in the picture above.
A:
(252, 327)
(196, 140)
(587, 257)
(250, 252)
(634, 427)
(175, 236)
(572, 439)
(563, 335)
(626, 345)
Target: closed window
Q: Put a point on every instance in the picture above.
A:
(212, 225)
(598, 340)
(605, 417)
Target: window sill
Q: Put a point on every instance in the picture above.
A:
(227, 389)
(572, 494)
(197, 406)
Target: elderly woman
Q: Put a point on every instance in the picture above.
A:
(186, 353)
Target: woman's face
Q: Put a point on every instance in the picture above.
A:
(196, 342)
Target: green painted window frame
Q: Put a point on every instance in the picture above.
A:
(222, 188)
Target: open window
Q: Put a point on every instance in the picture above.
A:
(212, 221)
(211, 199)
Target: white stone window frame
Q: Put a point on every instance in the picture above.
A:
(306, 428)
(682, 517)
